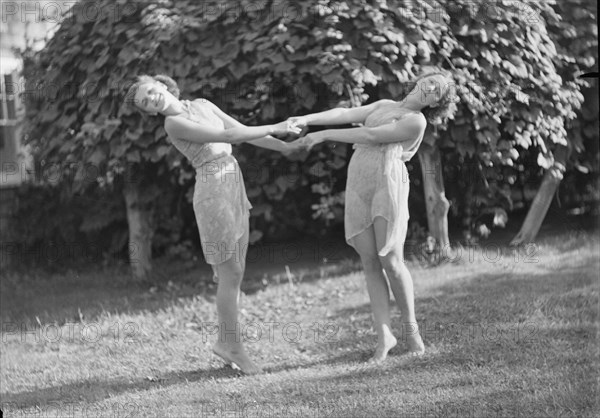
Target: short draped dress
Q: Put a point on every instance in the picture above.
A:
(221, 205)
(378, 185)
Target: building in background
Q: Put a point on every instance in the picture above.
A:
(22, 24)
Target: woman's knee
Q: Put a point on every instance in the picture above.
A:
(392, 263)
(371, 262)
(230, 270)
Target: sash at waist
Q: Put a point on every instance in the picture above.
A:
(212, 160)
(392, 154)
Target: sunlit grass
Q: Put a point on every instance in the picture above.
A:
(507, 335)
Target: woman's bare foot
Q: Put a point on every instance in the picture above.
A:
(237, 356)
(415, 345)
(384, 345)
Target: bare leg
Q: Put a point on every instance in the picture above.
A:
(229, 345)
(401, 283)
(379, 293)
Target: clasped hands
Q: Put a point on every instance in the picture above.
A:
(299, 125)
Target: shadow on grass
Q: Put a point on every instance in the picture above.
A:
(96, 390)
(67, 297)
(563, 296)
(496, 317)
(502, 345)
(503, 308)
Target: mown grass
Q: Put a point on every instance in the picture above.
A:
(511, 334)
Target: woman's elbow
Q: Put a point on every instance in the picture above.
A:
(230, 136)
(372, 138)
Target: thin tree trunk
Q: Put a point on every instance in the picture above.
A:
(9, 251)
(435, 194)
(467, 218)
(141, 231)
(543, 199)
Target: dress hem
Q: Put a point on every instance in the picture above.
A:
(380, 253)
(236, 239)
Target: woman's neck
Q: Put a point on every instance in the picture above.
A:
(403, 108)
(174, 109)
(410, 106)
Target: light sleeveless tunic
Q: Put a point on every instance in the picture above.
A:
(220, 202)
(378, 185)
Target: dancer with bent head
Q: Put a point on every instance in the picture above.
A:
(376, 206)
(204, 133)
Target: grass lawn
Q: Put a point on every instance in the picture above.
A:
(506, 335)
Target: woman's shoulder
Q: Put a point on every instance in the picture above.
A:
(173, 123)
(415, 121)
(420, 121)
(200, 101)
(383, 102)
(170, 119)
(417, 117)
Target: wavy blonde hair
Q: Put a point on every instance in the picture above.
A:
(446, 105)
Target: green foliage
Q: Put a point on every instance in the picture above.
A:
(576, 38)
(55, 226)
(514, 103)
(262, 62)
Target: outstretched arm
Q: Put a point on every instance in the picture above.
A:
(181, 127)
(408, 129)
(339, 116)
(267, 141)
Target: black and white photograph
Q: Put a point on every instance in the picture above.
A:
(275, 208)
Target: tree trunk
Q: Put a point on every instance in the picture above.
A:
(435, 194)
(543, 199)
(9, 248)
(141, 231)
